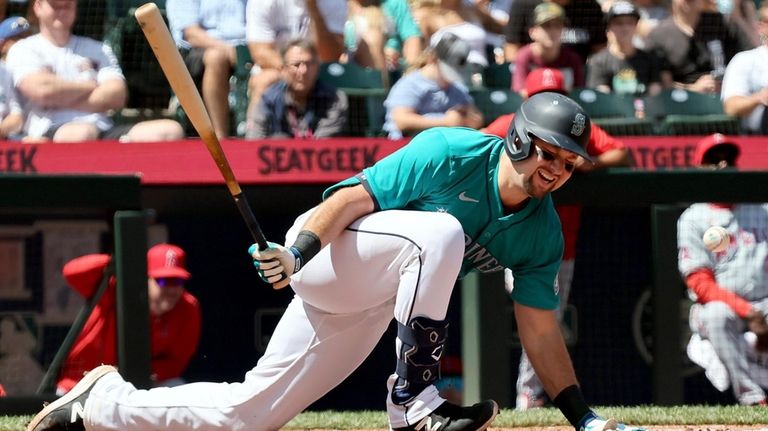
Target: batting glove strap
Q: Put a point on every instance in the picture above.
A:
(306, 246)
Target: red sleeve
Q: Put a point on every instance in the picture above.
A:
(181, 340)
(600, 141)
(702, 283)
(83, 273)
(500, 125)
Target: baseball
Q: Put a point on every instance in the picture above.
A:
(716, 239)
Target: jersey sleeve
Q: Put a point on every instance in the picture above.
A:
(692, 254)
(534, 284)
(600, 141)
(534, 280)
(408, 174)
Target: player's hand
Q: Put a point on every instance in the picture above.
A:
(756, 323)
(593, 422)
(275, 264)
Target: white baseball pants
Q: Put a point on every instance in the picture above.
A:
(388, 264)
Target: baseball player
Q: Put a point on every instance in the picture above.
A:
(606, 151)
(729, 330)
(390, 242)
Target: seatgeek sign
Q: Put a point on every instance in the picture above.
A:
(276, 161)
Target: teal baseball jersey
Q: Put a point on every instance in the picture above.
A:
(454, 170)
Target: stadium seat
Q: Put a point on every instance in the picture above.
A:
(614, 113)
(147, 87)
(494, 103)
(366, 92)
(682, 112)
(498, 76)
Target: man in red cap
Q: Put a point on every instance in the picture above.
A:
(729, 332)
(606, 151)
(174, 317)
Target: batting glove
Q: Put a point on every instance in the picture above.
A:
(593, 422)
(275, 263)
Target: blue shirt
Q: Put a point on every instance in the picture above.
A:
(424, 96)
(222, 19)
(455, 170)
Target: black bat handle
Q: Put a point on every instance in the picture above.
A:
(250, 220)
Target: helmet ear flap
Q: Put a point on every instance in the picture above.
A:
(518, 141)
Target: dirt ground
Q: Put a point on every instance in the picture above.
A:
(649, 428)
(656, 428)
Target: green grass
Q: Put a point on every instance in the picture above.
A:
(643, 415)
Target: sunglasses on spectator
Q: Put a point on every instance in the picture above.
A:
(550, 156)
(170, 281)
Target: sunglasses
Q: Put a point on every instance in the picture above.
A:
(169, 281)
(550, 156)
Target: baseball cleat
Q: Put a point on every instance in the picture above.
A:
(450, 417)
(66, 413)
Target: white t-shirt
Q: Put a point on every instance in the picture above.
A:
(745, 75)
(279, 21)
(9, 100)
(81, 59)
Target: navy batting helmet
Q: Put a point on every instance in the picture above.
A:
(552, 117)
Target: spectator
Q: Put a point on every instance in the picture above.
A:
(271, 24)
(207, 31)
(11, 30)
(606, 151)
(729, 330)
(382, 34)
(620, 67)
(439, 17)
(69, 83)
(694, 45)
(546, 49)
(433, 94)
(585, 31)
(300, 106)
(651, 13)
(745, 84)
(741, 14)
(11, 112)
(174, 317)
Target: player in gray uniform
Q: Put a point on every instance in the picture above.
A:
(390, 242)
(729, 330)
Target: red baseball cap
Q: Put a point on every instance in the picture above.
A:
(715, 140)
(167, 261)
(544, 79)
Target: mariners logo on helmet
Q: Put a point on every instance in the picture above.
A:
(553, 118)
(578, 125)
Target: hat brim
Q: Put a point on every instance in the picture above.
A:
(174, 272)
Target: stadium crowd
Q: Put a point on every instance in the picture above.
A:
(74, 88)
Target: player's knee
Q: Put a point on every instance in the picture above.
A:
(447, 236)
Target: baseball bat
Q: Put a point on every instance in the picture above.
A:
(162, 44)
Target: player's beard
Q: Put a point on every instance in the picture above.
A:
(536, 187)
